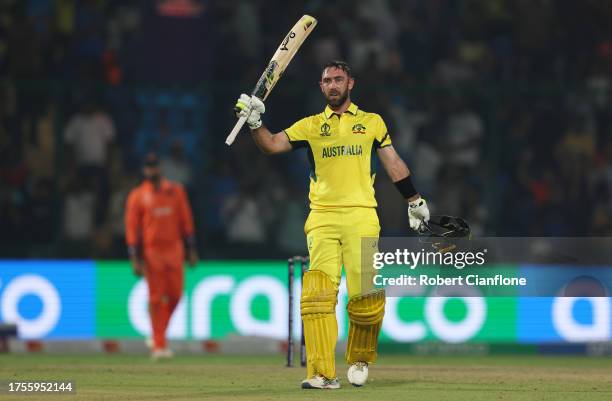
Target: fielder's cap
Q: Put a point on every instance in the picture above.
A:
(151, 160)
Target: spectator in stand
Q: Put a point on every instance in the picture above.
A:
(78, 218)
(464, 135)
(175, 167)
(243, 218)
(89, 135)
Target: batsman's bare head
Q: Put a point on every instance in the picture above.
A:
(336, 83)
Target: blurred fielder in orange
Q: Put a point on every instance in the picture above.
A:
(158, 221)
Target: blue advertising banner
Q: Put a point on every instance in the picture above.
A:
(564, 319)
(48, 299)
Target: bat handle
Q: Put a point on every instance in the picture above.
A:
(232, 136)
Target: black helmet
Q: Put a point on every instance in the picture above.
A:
(441, 226)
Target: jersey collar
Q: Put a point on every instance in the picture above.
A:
(351, 109)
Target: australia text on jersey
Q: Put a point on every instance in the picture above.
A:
(342, 150)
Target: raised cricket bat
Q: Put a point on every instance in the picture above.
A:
(279, 61)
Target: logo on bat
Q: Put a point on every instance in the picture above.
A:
(287, 39)
(266, 81)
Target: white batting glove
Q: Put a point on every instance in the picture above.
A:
(251, 107)
(417, 213)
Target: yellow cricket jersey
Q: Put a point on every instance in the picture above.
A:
(341, 151)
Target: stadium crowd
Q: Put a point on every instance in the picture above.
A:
(502, 108)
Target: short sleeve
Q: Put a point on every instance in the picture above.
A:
(298, 132)
(382, 135)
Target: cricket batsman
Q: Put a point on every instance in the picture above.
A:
(342, 144)
(158, 222)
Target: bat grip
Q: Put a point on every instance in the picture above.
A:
(232, 136)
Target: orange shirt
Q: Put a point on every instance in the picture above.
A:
(157, 216)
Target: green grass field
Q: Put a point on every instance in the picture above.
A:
(422, 378)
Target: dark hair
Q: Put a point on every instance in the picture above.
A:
(151, 160)
(341, 65)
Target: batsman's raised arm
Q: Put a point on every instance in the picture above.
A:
(269, 143)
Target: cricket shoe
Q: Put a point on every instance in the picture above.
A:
(165, 353)
(320, 382)
(358, 374)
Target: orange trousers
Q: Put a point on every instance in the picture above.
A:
(165, 277)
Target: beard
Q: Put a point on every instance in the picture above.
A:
(335, 102)
(155, 178)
